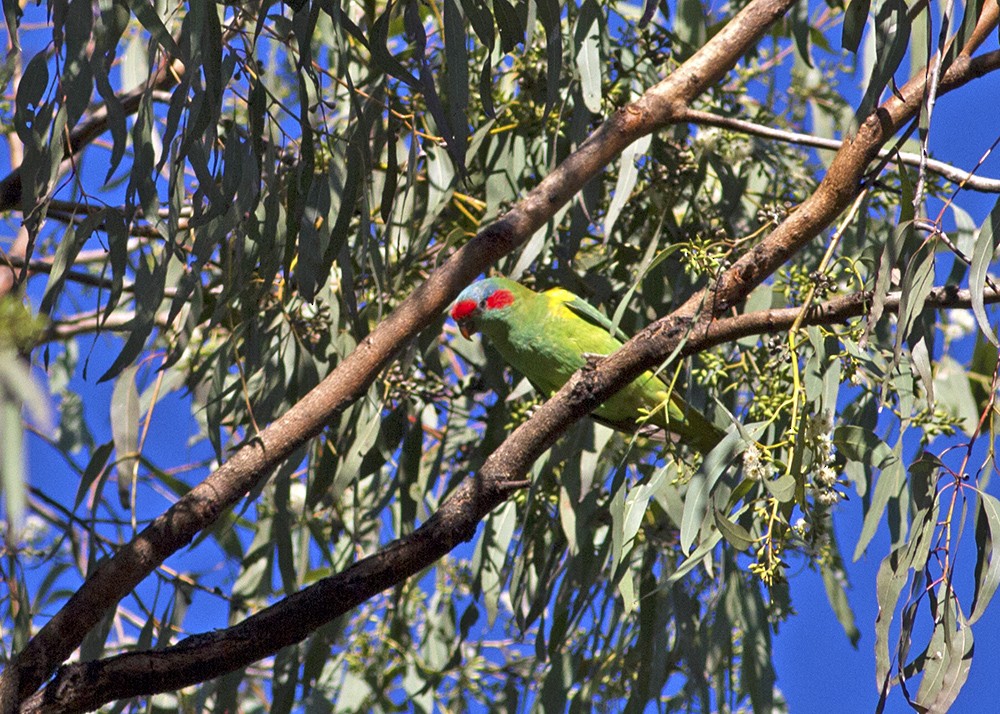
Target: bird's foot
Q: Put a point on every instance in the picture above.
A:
(591, 360)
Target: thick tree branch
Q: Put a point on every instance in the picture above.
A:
(174, 529)
(87, 685)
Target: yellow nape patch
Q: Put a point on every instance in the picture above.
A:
(560, 295)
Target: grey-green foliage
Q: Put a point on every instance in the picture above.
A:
(299, 170)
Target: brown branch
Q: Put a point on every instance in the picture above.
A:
(838, 188)
(832, 312)
(87, 685)
(200, 507)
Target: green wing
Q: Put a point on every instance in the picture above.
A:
(585, 310)
(622, 410)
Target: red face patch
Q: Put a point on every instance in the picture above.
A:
(499, 299)
(463, 309)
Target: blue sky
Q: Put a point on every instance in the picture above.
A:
(818, 670)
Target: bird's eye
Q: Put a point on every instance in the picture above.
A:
(482, 303)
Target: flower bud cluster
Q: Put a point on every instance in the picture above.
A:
(824, 476)
(755, 467)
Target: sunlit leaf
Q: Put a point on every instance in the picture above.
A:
(982, 254)
(125, 429)
(987, 555)
(588, 54)
(627, 176)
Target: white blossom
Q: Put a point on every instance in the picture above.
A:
(825, 477)
(827, 497)
(959, 323)
(819, 425)
(753, 463)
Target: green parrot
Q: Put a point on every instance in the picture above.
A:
(547, 337)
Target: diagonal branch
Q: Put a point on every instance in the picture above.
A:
(83, 686)
(223, 488)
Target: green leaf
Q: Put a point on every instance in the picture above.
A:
(700, 486)
(987, 570)
(981, 367)
(510, 23)
(636, 503)
(456, 75)
(892, 35)
(704, 548)
(12, 476)
(30, 91)
(982, 254)
(382, 58)
(549, 12)
(628, 174)
(12, 14)
(756, 667)
(855, 18)
(125, 432)
(917, 283)
(77, 78)
(883, 281)
(735, 534)
(95, 468)
(557, 683)
(690, 24)
(66, 252)
(953, 390)
(146, 14)
(481, 21)
(835, 585)
(92, 646)
(149, 286)
(946, 661)
(116, 114)
(588, 54)
(782, 488)
(799, 20)
(892, 576)
(890, 481)
(491, 555)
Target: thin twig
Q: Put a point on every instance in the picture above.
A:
(945, 170)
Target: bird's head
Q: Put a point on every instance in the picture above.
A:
(484, 298)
